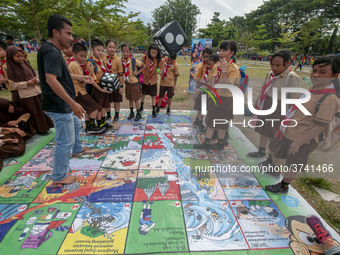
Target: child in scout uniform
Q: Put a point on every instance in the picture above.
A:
(77, 66)
(227, 73)
(132, 88)
(169, 74)
(281, 75)
(3, 66)
(21, 46)
(68, 54)
(22, 78)
(152, 61)
(294, 144)
(102, 99)
(114, 65)
(202, 74)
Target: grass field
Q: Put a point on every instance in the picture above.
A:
(257, 71)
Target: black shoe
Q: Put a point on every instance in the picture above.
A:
(154, 114)
(168, 112)
(131, 116)
(256, 154)
(141, 108)
(107, 125)
(267, 162)
(204, 146)
(276, 188)
(107, 117)
(94, 130)
(138, 117)
(116, 118)
(201, 128)
(219, 145)
(196, 122)
(226, 139)
(157, 109)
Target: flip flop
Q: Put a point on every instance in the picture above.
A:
(67, 180)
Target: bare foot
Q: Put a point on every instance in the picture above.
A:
(80, 153)
(67, 180)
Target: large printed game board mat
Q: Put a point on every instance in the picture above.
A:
(138, 191)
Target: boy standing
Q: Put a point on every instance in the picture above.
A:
(169, 73)
(76, 66)
(68, 54)
(97, 48)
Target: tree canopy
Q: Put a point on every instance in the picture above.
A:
(299, 25)
(184, 11)
(101, 18)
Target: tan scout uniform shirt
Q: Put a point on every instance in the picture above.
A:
(169, 80)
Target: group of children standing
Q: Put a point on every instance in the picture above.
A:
(293, 144)
(97, 101)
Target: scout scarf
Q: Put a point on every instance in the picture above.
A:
(86, 72)
(166, 69)
(100, 63)
(294, 108)
(1, 65)
(151, 68)
(109, 64)
(219, 71)
(206, 75)
(126, 69)
(69, 60)
(263, 94)
(266, 87)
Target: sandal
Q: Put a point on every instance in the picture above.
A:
(67, 180)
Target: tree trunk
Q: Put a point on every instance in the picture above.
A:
(330, 49)
(88, 29)
(37, 30)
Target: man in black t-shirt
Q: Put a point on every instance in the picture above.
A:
(58, 95)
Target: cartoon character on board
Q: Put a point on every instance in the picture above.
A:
(145, 219)
(302, 238)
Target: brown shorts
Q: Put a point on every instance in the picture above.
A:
(101, 98)
(87, 102)
(115, 97)
(280, 149)
(149, 90)
(132, 91)
(224, 112)
(198, 103)
(268, 129)
(170, 91)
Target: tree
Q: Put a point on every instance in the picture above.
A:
(184, 11)
(287, 37)
(25, 16)
(310, 32)
(91, 12)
